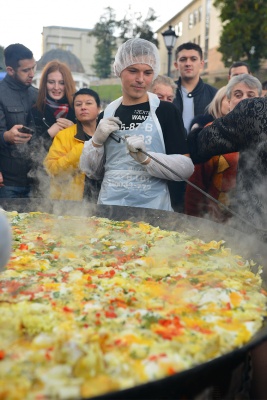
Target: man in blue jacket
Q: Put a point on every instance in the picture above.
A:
(17, 96)
(192, 95)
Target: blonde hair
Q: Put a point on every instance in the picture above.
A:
(69, 83)
(215, 106)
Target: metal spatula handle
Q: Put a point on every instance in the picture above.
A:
(118, 138)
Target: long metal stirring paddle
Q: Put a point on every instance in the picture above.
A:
(118, 139)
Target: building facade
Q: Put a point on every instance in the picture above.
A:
(198, 22)
(77, 70)
(75, 40)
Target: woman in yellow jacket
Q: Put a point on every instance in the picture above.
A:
(67, 182)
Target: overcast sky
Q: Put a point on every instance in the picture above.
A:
(22, 22)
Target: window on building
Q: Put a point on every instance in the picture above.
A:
(52, 46)
(207, 28)
(67, 47)
(198, 40)
(195, 17)
(179, 29)
(199, 14)
(190, 21)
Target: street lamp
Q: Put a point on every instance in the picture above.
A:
(170, 38)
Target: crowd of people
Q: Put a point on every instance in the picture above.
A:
(55, 142)
(67, 150)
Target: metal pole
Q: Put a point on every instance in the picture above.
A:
(169, 61)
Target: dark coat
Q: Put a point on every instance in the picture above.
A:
(42, 141)
(40, 122)
(202, 94)
(16, 101)
(243, 130)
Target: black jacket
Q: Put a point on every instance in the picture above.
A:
(202, 94)
(174, 136)
(40, 145)
(244, 129)
(40, 122)
(16, 101)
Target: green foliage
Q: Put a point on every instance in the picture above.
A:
(244, 34)
(106, 43)
(132, 25)
(107, 93)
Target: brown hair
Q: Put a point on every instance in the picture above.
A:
(69, 83)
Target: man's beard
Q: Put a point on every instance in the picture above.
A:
(20, 81)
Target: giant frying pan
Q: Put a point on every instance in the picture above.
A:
(190, 383)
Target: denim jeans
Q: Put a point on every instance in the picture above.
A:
(9, 192)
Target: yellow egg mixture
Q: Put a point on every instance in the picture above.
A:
(90, 305)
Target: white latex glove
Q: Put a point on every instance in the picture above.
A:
(5, 240)
(105, 127)
(134, 144)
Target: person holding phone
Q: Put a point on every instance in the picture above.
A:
(17, 96)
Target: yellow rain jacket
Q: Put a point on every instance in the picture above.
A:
(62, 164)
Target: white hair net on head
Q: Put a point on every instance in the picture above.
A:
(137, 51)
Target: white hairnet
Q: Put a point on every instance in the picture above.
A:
(137, 51)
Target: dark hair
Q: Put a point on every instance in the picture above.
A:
(189, 46)
(239, 64)
(264, 85)
(16, 52)
(90, 92)
(69, 83)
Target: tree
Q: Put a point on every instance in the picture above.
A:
(132, 25)
(244, 33)
(105, 44)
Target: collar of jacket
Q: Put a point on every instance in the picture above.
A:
(196, 90)
(14, 84)
(81, 135)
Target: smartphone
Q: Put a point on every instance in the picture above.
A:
(25, 129)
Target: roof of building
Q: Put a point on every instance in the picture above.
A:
(62, 55)
(67, 28)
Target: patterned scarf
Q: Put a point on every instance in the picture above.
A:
(60, 109)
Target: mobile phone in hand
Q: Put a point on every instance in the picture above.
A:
(25, 129)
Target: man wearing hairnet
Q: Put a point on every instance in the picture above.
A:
(141, 122)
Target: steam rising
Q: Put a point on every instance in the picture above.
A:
(242, 238)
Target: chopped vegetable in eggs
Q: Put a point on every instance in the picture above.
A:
(90, 305)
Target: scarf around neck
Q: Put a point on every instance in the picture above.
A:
(60, 110)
